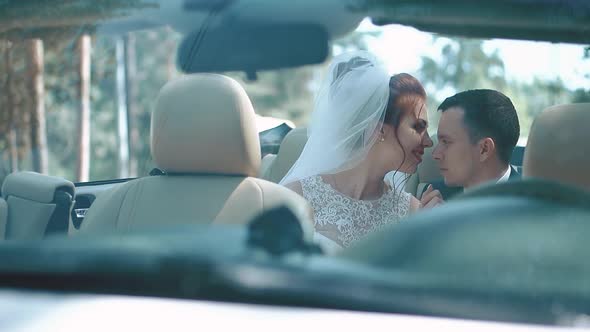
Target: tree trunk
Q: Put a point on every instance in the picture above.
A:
(133, 112)
(10, 109)
(123, 128)
(22, 120)
(83, 160)
(37, 97)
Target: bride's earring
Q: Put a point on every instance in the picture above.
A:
(382, 139)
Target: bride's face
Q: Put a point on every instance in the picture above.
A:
(405, 146)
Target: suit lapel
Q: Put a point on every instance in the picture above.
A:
(514, 175)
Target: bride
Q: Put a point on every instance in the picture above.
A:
(365, 124)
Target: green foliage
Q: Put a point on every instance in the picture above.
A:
(289, 93)
(154, 67)
(464, 65)
(62, 101)
(284, 94)
(581, 96)
(461, 65)
(358, 40)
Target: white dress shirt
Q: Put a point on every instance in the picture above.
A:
(506, 175)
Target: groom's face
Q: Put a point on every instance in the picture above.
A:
(456, 155)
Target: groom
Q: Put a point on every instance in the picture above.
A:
(477, 133)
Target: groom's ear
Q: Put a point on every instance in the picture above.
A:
(487, 148)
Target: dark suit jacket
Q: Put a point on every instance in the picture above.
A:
(448, 192)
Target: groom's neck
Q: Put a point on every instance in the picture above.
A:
(487, 173)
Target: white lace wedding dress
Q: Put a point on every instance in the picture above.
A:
(341, 220)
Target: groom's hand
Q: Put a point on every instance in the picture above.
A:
(431, 198)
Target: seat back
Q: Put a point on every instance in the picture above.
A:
(558, 145)
(179, 200)
(3, 218)
(204, 139)
(289, 151)
(265, 165)
(38, 205)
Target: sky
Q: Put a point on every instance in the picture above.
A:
(400, 47)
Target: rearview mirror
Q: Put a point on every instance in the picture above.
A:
(253, 48)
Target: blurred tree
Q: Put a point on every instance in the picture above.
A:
(581, 96)
(59, 24)
(149, 65)
(282, 93)
(132, 109)
(20, 104)
(463, 64)
(289, 93)
(530, 99)
(155, 54)
(59, 18)
(83, 123)
(35, 62)
(357, 40)
(7, 123)
(122, 112)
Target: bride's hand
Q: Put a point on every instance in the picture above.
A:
(431, 198)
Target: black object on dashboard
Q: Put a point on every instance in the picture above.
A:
(279, 232)
(156, 171)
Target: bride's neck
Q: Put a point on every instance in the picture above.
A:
(359, 182)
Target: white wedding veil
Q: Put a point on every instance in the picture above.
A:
(348, 115)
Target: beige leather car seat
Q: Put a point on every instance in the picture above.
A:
(204, 138)
(265, 165)
(3, 218)
(38, 205)
(559, 144)
(289, 151)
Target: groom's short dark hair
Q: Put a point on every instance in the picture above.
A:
(488, 113)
